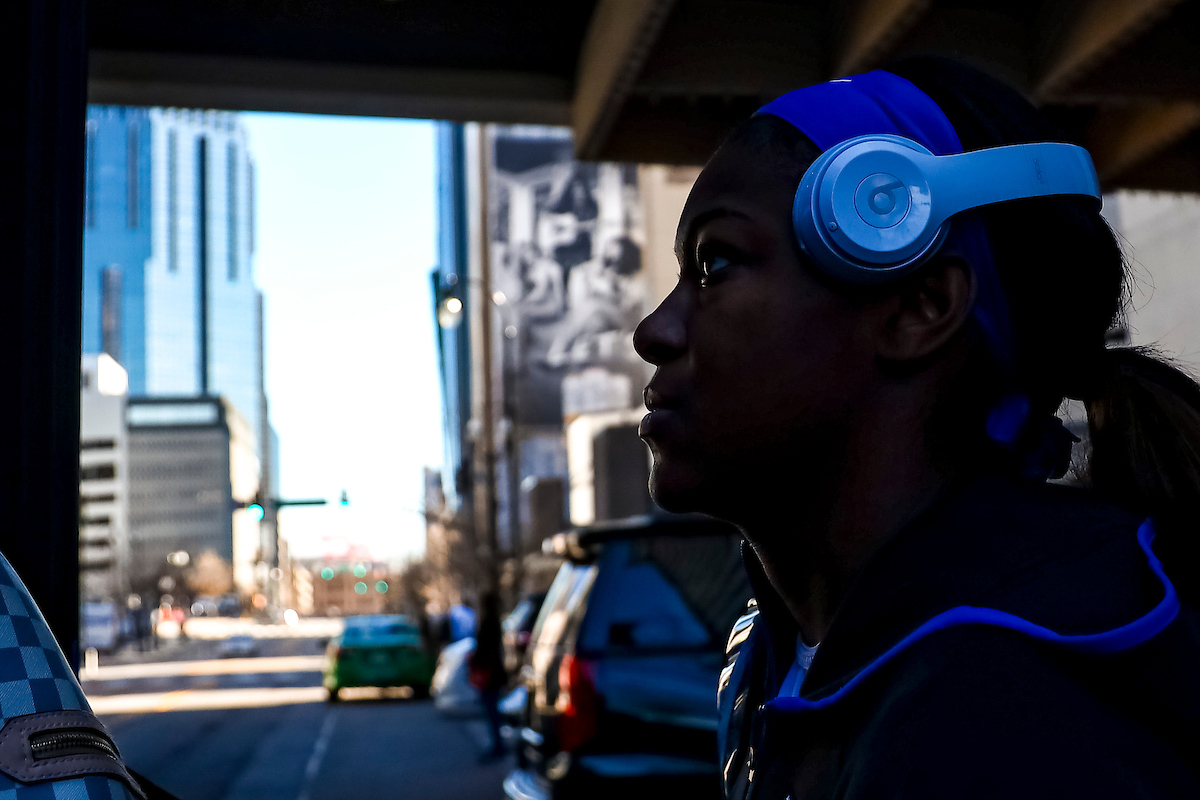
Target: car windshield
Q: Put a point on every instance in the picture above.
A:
(368, 631)
(570, 586)
(516, 617)
(665, 593)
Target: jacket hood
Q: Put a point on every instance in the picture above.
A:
(1050, 563)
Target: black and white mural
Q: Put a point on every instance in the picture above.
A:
(566, 253)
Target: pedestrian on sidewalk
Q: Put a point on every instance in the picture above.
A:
(486, 669)
(881, 306)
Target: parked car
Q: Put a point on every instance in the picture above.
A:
(238, 646)
(229, 606)
(452, 691)
(518, 628)
(624, 660)
(204, 606)
(378, 651)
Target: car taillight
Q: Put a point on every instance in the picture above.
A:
(577, 703)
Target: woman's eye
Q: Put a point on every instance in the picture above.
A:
(713, 263)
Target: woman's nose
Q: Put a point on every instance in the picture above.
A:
(662, 336)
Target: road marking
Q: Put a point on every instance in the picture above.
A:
(196, 699)
(216, 666)
(320, 747)
(215, 628)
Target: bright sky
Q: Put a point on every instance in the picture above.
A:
(345, 243)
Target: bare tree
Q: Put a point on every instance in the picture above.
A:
(209, 574)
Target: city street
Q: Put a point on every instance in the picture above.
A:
(258, 729)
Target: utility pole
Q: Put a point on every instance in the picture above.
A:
(488, 426)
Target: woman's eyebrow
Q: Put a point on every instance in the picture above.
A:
(684, 236)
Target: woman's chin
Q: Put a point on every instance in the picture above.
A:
(676, 489)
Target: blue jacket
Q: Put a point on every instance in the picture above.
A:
(1015, 641)
(51, 746)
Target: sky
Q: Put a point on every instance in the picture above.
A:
(346, 227)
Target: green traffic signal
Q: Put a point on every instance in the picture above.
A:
(256, 512)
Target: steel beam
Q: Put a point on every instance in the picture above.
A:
(42, 90)
(619, 38)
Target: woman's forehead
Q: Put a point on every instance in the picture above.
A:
(738, 181)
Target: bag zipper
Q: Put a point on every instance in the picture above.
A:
(72, 742)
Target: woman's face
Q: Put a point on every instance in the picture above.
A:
(760, 364)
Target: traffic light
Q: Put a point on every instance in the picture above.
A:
(256, 512)
(345, 499)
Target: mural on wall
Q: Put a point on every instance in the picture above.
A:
(567, 255)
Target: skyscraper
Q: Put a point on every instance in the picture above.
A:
(168, 242)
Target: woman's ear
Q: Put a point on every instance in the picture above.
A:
(928, 311)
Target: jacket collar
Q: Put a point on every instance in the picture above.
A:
(1048, 554)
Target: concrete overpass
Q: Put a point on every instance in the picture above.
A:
(638, 80)
(658, 80)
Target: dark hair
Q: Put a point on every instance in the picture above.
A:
(1064, 276)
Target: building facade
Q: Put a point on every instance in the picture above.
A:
(348, 587)
(103, 481)
(576, 256)
(168, 282)
(451, 280)
(193, 468)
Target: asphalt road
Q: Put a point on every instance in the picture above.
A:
(293, 750)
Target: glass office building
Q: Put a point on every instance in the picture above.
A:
(168, 242)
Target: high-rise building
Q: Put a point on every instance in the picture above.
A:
(192, 468)
(103, 480)
(168, 243)
(450, 281)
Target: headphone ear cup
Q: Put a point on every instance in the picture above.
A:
(863, 212)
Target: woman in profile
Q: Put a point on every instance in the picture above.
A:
(933, 619)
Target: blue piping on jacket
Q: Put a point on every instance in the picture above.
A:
(1112, 641)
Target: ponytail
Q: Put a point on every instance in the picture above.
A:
(1144, 431)
(1065, 277)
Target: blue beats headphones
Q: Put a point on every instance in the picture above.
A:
(879, 202)
(875, 207)
(876, 204)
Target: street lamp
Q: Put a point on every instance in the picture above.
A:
(450, 313)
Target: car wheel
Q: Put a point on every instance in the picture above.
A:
(420, 692)
(334, 697)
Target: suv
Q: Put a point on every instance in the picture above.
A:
(623, 664)
(518, 629)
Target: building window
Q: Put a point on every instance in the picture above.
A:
(98, 472)
(202, 258)
(250, 204)
(89, 201)
(97, 444)
(97, 520)
(110, 311)
(172, 201)
(98, 498)
(231, 183)
(131, 175)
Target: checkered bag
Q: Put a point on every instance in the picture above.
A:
(40, 697)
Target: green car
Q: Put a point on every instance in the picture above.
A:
(378, 651)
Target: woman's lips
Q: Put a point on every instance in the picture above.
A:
(655, 423)
(664, 411)
(656, 400)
